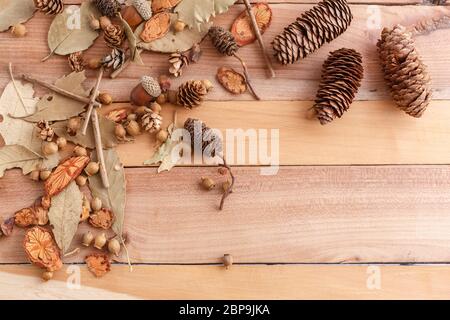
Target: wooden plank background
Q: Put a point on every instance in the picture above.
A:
(370, 188)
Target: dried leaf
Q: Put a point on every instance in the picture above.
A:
(196, 12)
(242, 28)
(135, 53)
(55, 107)
(41, 249)
(16, 156)
(64, 215)
(173, 42)
(232, 80)
(114, 197)
(98, 264)
(156, 27)
(65, 173)
(13, 12)
(70, 31)
(107, 127)
(161, 5)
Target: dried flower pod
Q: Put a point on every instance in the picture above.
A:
(76, 61)
(179, 26)
(132, 128)
(108, 8)
(144, 8)
(41, 215)
(192, 93)
(227, 261)
(120, 132)
(47, 275)
(19, 30)
(113, 35)
(242, 28)
(207, 183)
(105, 98)
(49, 148)
(7, 226)
(92, 168)
(73, 125)
(100, 241)
(232, 80)
(41, 249)
(88, 237)
(114, 246)
(51, 7)
(61, 142)
(44, 174)
(46, 132)
(115, 59)
(46, 202)
(156, 27)
(81, 180)
(25, 218)
(102, 218)
(96, 204)
(80, 151)
(98, 264)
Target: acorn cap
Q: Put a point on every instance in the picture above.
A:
(144, 9)
(151, 86)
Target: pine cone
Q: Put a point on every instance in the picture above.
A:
(322, 24)
(115, 59)
(177, 61)
(144, 8)
(50, 6)
(223, 40)
(151, 121)
(108, 8)
(191, 93)
(404, 71)
(46, 132)
(203, 138)
(113, 35)
(76, 61)
(439, 2)
(341, 77)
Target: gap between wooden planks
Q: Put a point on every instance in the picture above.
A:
(239, 282)
(293, 82)
(301, 215)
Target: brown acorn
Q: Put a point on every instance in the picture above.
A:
(145, 92)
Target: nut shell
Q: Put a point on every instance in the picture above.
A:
(41, 249)
(232, 80)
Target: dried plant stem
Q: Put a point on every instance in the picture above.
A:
(71, 253)
(427, 26)
(99, 148)
(230, 189)
(247, 77)
(17, 89)
(126, 253)
(94, 95)
(259, 37)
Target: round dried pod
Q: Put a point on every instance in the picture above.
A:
(47, 275)
(140, 111)
(100, 241)
(96, 204)
(94, 63)
(120, 132)
(19, 30)
(114, 246)
(179, 26)
(227, 260)
(25, 218)
(108, 8)
(44, 174)
(144, 8)
(232, 80)
(41, 249)
(207, 183)
(242, 28)
(131, 16)
(133, 128)
(81, 180)
(35, 175)
(162, 136)
(80, 151)
(73, 125)
(132, 116)
(105, 98)
(156, 27)
(92, 168)
(49, 148)
(94, 23)
(162, 99)
(61, 142)
(102, 218)
(156, 107)
(88, 237)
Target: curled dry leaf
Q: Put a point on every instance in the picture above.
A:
(242, 29)
(156, 28)
(41, 249)
(7, 226)
(118, 115)
(66, 172)
(232, 80)
(25, 218)
(102, 218)
(161, 5)
(98, 264)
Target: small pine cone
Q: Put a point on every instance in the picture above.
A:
(405, 73)
(191, 93)
(50, 6)
(144, 8)
(76, 61)
(204, 138)
(439, 2)
(341, 77)
(322, 24)
(177, 61)
(115, 59)
(108, 8)
(223, 40)
(151, 121)
(114, 35)
(46, 132)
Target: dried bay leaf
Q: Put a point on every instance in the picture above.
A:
(70, 31)
(113, 198)
(135, 53)
(16, 156)
(55, 107)
(64, 215)
(13, 12)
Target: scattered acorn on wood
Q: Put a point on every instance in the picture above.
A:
(81, 180)
(105, 98)
(147, 91)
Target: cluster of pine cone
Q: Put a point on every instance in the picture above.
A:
(50, 7)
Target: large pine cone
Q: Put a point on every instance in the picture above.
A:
(50, 6)
(191, 93)
(108, 8)
(341, 77)
(322, 24)
(114, 35)
(204, 138)
(404, 71)
(223, 40)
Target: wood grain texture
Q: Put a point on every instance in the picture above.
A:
(294, 82)
(239, 282)
(302, 214)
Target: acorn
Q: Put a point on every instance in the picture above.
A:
(44, 174)
(156, 107)
(94, 23)
(73, 125)
(80, 151)
(92, 168)
(227, 260)
(104, 22)
(61, 142)
(35, 175)
(19, 30)
(120, 132)
(145, 92)
(100, 241)
(94, 63)
(81, 180)
(133, 128)
(162, 136)
(105, 99)
(179, 26)
(131, 16)
(114, 246)
(88, 237)
(96, 204)
(207, 183)
(47, 275)
(49, 148)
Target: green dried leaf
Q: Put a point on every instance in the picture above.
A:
(64, 215)
(70, 31)
(13, 12)
(55, 107)
(113, 198)
(196, 12)
(173, 42)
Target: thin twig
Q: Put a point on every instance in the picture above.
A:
(56, 48)
(247, 77)
(71, 253)
(17, 90)
(230, 188)
(99, 148)
(126, 253)
(94, 95)
(259, 38)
